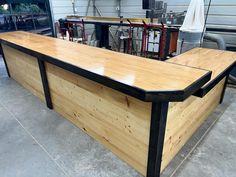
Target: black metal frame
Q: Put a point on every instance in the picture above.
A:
(221, 30)
(160, 100)
(45, 83)
(4, 60)
(48, 13)
(167, 43)
(156, 138)
(223, 91)
(93, 22)
(147, 96)
(102, 33)
(205, 89)
(105, 40)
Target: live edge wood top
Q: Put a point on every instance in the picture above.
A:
(145, 79)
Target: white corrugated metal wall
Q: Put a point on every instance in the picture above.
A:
(222, 12)
(62, 8)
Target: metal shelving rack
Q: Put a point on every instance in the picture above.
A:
(37, 22)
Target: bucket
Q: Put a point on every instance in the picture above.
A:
(187, 41)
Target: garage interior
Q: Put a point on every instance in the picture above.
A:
(82, 69)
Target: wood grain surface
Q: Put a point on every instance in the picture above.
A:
(137, 72)
(184, 118)
(24, 69)
(210, 59)
(111, 19)
(118, 121)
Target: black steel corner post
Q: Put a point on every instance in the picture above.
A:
(45, 83)
(4, 60)
(224, 88)
(156, 138)
(167, 43)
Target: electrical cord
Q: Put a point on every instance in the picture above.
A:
(204, 28)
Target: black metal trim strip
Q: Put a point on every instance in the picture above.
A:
(221, 30)
(212, 28)
(45, 83)
(223, 91)
(4, 60)
(147, 96)
(190, 90)
(205, 89)
(156, 138)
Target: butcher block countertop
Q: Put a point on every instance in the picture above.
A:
(146, 79)
(220, 62)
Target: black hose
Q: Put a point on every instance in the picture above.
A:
(204, 28)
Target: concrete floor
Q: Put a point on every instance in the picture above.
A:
(37, 142)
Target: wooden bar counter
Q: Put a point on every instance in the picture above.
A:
(143, 110)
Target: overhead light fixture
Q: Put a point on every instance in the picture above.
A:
(5, 6)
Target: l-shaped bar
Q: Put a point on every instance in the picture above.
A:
(140, 109)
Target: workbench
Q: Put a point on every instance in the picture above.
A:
(111, 20)
(143, 110)
(168, 39)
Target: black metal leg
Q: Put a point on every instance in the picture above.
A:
(102, 34)
(4, 60)
(156, 139)
(45, 83)
(223, 92)
(167, 44)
